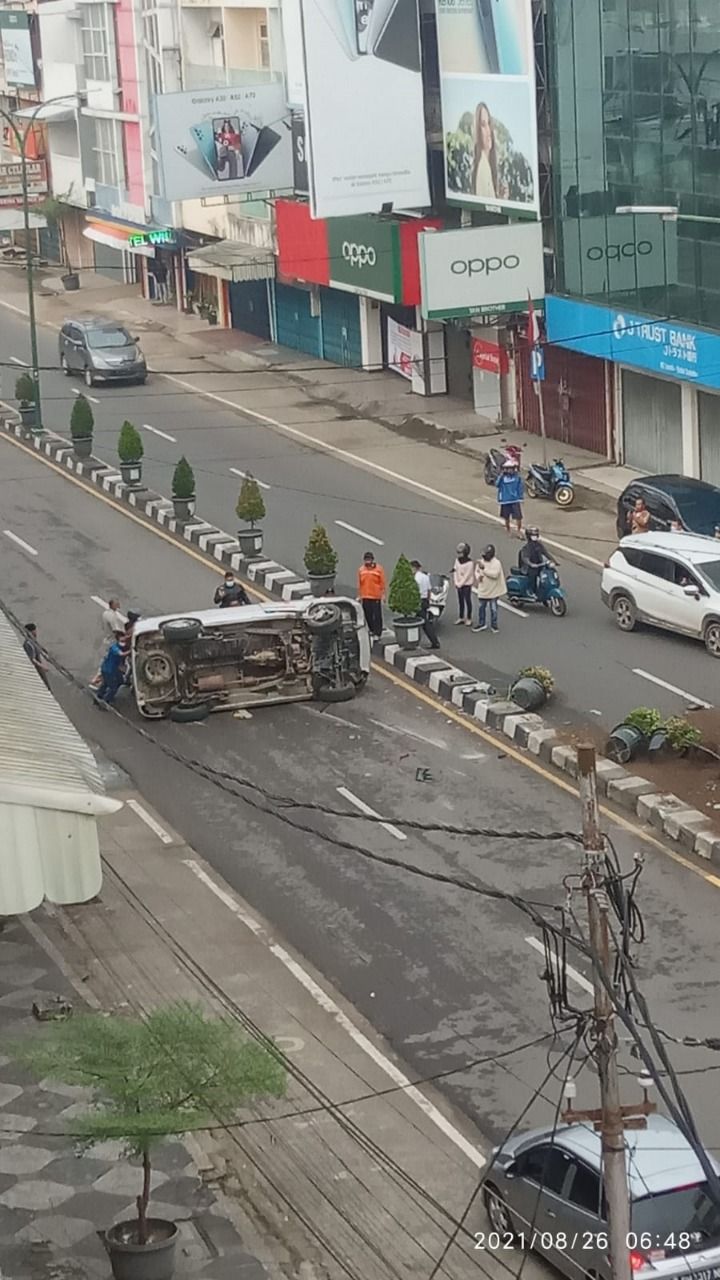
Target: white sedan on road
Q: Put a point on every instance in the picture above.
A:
(670, 580)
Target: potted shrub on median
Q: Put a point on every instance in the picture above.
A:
(155, 1078)
(25, 396)
(634, 734)
(81, 427)
(532, 688)
(183, 490)
(130, 452)
(250, 508)
(320, 561)
(404, 600)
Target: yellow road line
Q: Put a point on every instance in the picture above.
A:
(450, 712)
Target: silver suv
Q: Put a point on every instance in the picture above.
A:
(101, 350)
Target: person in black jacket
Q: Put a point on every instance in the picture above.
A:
(230, 593)
(532, 556)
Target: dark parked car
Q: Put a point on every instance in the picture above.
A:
(693, 502)
(101, 350)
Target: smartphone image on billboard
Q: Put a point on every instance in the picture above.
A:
(501, 22)
(460, 35)
(394, 33)
(234, 144)
(202, 136)
(363, 16)
(340, 17)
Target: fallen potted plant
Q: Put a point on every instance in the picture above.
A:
(158, 1077)
(25, 396)
(130, 452)
(404, 600)
(250, 508)
(320, 561)
(675, 735)
(631, 737)
(81, 427)
(183, 490)
(532, 687)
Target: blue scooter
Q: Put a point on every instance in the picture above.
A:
(553, 481)
(549, 592)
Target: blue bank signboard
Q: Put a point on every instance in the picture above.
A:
(656, 346)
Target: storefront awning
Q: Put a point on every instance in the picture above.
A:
(119, 242)
(230, 260)
(52, 113)
(12, 220)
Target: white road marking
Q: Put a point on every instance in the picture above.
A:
(410, 733)
(157, 432)
(368, 536)
(512, 608)
(689, 697)
(17, 360)
(101, 604)
(573, 974)
(150, 822)
(77, 392)
(328, 1004)
(372, 813)
(243, 476)
(20, 542)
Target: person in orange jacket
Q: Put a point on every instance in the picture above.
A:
(371, 590)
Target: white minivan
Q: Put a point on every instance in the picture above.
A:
(185, 666)
(671, 580)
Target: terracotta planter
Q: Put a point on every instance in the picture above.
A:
(407, 632)
(131, 473)
(321, 584)
(152, 1261)
(251, 542)
(183, 508)
(82, 446)
(528, 693)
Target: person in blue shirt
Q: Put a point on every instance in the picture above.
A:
(511, 491)
(112, 669)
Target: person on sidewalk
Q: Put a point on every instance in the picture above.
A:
(32, 647)
(160, 272)
(371, 593)
(113, 669)
(464, 578)
(490, 587)
(230, 593)
(510, 491)
(425, 587)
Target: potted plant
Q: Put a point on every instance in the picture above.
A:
(532, 688)
(632, 736)
(250, 508)
(676, 734)
(53, 209)
(320, 561)
(158, 1077)
(404, 600)
(130, 452)
(25, 396)
(81, 427)
(183, 490)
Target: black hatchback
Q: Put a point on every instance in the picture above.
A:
(693, 502)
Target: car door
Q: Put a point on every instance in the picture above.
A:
(586, 1242)
(650, 578)
(684, 610)
(539, 1176)
(73, 347)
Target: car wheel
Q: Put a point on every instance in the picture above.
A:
(499, 1214)
(712, 639)
(625, 614)
(335, 693)
(89, 377)
(187, 715)
(65, 366)
(322, 617)
(558, 606)
(181, 630)
(156, 668)
(564, 495)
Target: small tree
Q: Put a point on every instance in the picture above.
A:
(81, 419)
(130, 445)
(320, 555)
(404, 593)
(155, 1078)
(25, 390)
(183, 481)
(250, 506)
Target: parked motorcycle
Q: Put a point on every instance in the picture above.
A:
(497, 458)
(549, 593)
(439, 588)
(553, 481)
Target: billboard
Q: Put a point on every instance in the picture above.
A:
(17, 47)
(364, 106)
(11, 178)
(487, 90)
(301, 176)
(618, 253)
(224, 142)
(481, 270)
(292, 40)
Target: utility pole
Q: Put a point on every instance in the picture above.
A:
(612, 1119)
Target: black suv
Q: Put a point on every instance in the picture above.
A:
(101, 350)
(693, 502)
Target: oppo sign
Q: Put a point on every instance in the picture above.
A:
(614, 252)
(480, 266)
(359, 255)
(618, 254)
(481, 270)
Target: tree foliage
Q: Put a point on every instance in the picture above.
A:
(183, 481)
(404, 593)
(250, 505)
(81, 419)
(320, 555)
(130, 445)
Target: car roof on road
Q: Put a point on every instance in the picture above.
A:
(674, 484)
(94, 322)
(694, 546)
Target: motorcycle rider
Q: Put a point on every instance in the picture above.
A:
(533, 555)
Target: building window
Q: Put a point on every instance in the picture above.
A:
(108, 154)
(96, 41)
(263, 45)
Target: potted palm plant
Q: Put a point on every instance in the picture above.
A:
(154, 1078)
(81, 427)
(183, 490)
(404, 600)
(320, 561)
(130, 452)
(532, 687)
(25, 396)
(250, 508)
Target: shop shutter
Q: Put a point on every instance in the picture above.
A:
(109, 262)
(574, 397)
(652, 424)
(709, 428)
(341, 328)
(294, 325)
(249, 309)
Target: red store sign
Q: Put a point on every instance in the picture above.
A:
(489, 357)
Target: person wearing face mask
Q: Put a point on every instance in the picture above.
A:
(490, 587)
(230, 593)
(533, 555)
(463, 578)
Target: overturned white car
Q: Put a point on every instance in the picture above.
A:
(225, 659)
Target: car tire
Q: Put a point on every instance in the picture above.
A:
(65, 366)
(189, 715)
(711, 637)
(181, 630)
(322, 618)
(497, 1211)
(625, 614)
(335, 693)
(156, 667)
(88, 376)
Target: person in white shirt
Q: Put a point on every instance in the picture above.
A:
(113, 620)
(424, 587)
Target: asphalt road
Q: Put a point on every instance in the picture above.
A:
(595, 665)
(446, 975)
